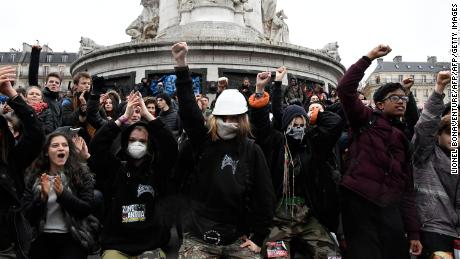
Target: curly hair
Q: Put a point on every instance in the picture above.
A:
(74, 167)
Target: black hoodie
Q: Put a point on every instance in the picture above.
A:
(135, 219)
(232, 190)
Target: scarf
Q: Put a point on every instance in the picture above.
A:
(39, 107)
(226, 130)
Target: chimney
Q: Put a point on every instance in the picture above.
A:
(26, 47)
(431, 59)
(397, 59)
(379, 60)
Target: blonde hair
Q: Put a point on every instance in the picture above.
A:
(291, 124)
(244, 129)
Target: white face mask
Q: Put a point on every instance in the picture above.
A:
(296, 133)
(226, 130)
(137, 149)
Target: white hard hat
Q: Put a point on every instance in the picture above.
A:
(230, 102)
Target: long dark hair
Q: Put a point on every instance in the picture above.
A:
(74, 167)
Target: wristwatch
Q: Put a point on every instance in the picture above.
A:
(259, 95)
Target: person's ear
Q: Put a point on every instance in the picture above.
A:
(379, 105)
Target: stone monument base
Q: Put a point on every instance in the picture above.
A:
(210, 57)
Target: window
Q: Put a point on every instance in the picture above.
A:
(420, 67)
(408, 66)
(61, 70)
(49, 58)
(1, 58)
(65, 57)
(46, 70)
(414, 92)
(425, 92)
(412, 76)
(424, 78)
(13, 57)
(397, 66)
(400, 78)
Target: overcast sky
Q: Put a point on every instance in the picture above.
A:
(414, 29)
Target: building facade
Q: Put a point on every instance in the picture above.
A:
(58, 62)
(423, 73)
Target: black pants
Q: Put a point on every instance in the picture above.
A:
(372, 231)
(433, 242)
(56, 246)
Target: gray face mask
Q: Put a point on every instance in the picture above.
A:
(296, 133)
(137, 150)
(226, 130)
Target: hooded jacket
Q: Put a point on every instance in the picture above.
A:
(232, 189)
(136, 219)
(316, 182)
(13, 226)
(438, 191)
(380, 168)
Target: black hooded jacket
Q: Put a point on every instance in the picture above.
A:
(135, 214)
(317, 180)
(16, 158)
(231, 191)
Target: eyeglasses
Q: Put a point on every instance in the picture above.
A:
(397, 98)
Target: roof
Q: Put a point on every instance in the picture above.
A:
(20, 57)
(411, 67)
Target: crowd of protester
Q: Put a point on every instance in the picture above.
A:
(262, 171)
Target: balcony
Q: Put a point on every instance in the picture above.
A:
(374, 82)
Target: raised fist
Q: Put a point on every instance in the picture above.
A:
(280, 73)
(179, 52)
(407, 84)
(442, 80)
(379, 51)
(262, 80)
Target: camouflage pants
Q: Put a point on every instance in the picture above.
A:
(298, 224)
(8, 253)
(114, 254)
(194, 248)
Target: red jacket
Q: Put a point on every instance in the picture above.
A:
(380, 167)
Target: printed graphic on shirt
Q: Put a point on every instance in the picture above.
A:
(133, 213)
(229, 161)
(145, 189)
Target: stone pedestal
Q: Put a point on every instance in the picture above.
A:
(212, 58)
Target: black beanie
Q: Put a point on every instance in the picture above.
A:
(290, 113)
(165, 97)
(382, 91)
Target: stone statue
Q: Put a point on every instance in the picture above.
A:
(268, 12)
(146, 25)
(279, 28)
(87, 45)
(185, 5)
(332, 49)
(239, 5)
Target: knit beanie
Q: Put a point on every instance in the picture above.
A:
(165, 97)
(290, 113)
